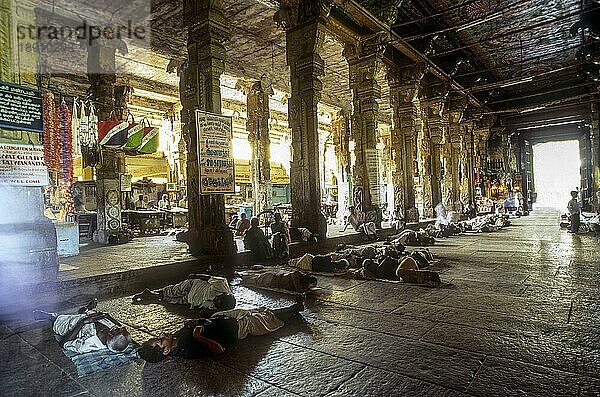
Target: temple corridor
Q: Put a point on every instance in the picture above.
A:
(517, 314)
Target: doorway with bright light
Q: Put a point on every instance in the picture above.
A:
(556, 172)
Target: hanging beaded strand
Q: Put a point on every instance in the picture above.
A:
(66, 161)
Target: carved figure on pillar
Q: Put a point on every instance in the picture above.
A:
(304, 22)
(257, 126)
(341, 141)
(199, 87)
(404, 89)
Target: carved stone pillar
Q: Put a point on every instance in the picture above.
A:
(199, 88)
(341, 141)
(433, 126)
(257, 125)
(364, 62)
(451, 158)
(467, 170)
(404, 89)
(305, 26)
(101, 74)
(595, 154)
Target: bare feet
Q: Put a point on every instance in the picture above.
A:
(146, 296)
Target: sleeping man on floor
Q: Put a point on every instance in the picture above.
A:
(198, 291)
(206, 337)
(279, 279)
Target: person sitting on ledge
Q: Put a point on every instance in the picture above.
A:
(281, 237)
(198, 290)
(359, 222)
(87, 331)
(209, 336)
(256, 242)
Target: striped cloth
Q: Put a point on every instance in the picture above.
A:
(98, 360)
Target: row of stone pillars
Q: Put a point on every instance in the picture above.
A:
(446, 144)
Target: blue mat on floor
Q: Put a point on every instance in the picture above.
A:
(91, 362)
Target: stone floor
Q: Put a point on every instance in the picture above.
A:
(518, 315)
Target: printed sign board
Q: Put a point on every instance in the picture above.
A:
(21, 108)
(22, 165)
(215, 153)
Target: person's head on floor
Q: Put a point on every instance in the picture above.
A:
(224, 302)
(254, 222)
(118, 339)
(574, 193)
(370, 265)
(157, 349)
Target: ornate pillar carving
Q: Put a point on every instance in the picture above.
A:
(304, 23)
(595, 154)
(199, 88)
(257, 125)
(341, 141)
(101, 74)
(451, 155)
(431, 167)
(406, 123)
(364, 62)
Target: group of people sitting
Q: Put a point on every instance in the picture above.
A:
(222, 323)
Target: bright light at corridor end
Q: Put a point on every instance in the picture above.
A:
(556, 172)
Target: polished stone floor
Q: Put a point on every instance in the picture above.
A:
(517, 315)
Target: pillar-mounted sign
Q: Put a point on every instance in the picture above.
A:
(215, 153)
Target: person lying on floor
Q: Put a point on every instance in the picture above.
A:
(295, 281)
(411, 238)
(318, 263)
(209, 336)
(407, 270)
(198, 290)
(256, 241)
(87, 331)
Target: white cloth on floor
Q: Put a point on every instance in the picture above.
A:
(368, 228)
(255, 321)
(86, 340)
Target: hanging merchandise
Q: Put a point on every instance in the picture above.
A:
(112, 133)
(88, 136)
(76, 117)
(66, 142)
(51, 137)
(135, 133)
(150, 141)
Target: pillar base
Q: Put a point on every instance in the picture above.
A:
(211, 240)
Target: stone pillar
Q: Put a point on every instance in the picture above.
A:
(451, 156)
(364, 62)
(341, 141)
(404, 89)
(433, 126)
(257, 125)
(305, 33)
(595, 154)
(101, 74)
(467, 171)
(199, 88)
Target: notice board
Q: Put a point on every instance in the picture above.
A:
(21, 108)
(22, 165)
(215, 153)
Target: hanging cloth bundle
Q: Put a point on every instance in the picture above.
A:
(76, 117)
(88, 136)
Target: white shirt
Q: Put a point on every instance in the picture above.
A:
(203, 292)
(86, 340)
(573, 207)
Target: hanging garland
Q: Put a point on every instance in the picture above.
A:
(66, 143)
(51, 136)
